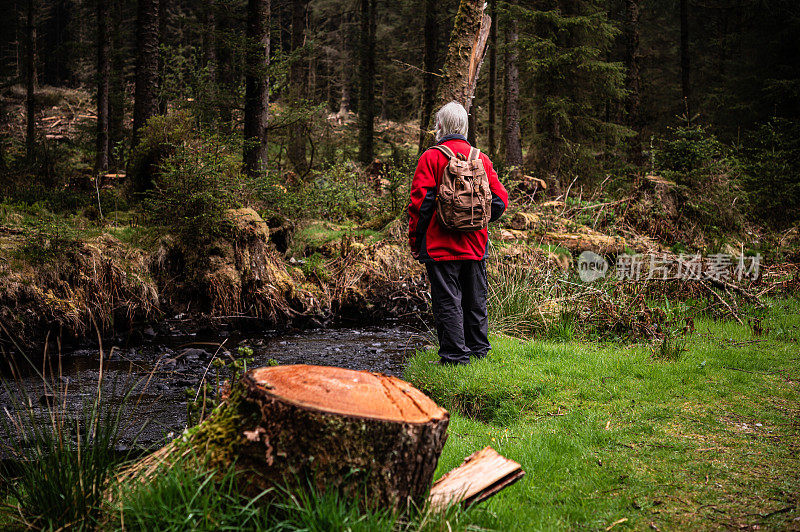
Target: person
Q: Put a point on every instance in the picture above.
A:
(455, 260)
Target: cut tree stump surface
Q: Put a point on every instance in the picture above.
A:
(346, 392)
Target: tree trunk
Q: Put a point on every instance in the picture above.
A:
(224, 74)
(209, 110)
(465, 55)
(429, 74)
(492, 78)
(163, 31)
(117, 90)
(685, 64)
(513, 141)
(344, 100)
(30, 81)
(256, 101)
(384, 99)
(633, 77)
(472, 130)
(365, 434)
(298, 85)
(366, 75)
(146, 87)
(103, 68)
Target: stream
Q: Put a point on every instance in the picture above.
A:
(155, 375)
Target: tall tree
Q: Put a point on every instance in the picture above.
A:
(366, 75)
(429, 74)
(513, 140)
(570, 83)
(492, 77)
(465, 54)
(225, 79)
(298, 86)
(256, 99)
(633, 77)
(103, 68)
(145, 89)
(163, 19)
(685, 63)
(344, 78)
(30, 79)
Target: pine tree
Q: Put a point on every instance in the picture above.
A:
(569, 83)
(30, 79)
(366, 78)
(145, 91)
(256, 100)
(298, 86)
(429, 72)
(103, 68)
(513, 140)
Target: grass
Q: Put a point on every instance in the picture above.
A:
(184, 498)
(61, 459)
(609, 432)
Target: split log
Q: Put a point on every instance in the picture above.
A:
(482, 475)
(359, 432)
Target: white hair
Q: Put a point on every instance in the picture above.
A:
(451, 118)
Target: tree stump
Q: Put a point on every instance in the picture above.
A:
(359, 432)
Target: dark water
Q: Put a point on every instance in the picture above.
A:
(156, 374)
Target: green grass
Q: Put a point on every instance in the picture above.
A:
(608, 432)
(185, 498)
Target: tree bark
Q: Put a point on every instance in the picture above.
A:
(633, 77)
(513, 140)
(210, 110)
(298, 85)
(685, 62)
(344, 100)
(366, 94)
(103, 68)
(224, 74)
(146, 85)
(256, 104)
(365, 434)
(465, 54)
(492, 78)
(429, 74)
(163, 31)
(30, 81)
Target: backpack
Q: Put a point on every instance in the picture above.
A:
(463, 199)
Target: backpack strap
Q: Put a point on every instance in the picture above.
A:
(473, 154)
(445, 150)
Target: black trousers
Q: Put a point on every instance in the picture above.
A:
(459, 292)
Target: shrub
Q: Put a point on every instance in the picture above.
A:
(708, 176)
(772, 171)
(158, 139)
(197, 181)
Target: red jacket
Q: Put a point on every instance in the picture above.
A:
(428, 239)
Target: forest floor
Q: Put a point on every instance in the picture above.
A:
(612, 437)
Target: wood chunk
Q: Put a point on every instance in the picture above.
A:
(483, 474)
